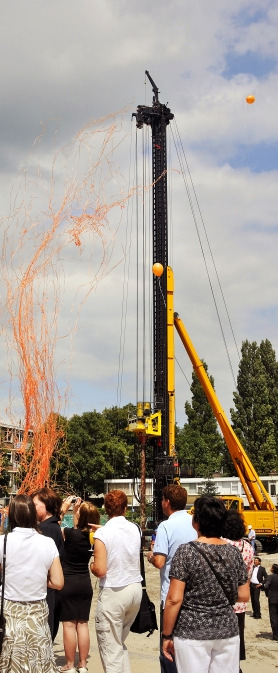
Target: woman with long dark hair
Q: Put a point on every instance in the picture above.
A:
(32, 564)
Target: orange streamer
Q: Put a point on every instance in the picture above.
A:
(31, 261)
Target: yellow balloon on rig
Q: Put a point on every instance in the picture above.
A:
(250, 99)
(158, 269)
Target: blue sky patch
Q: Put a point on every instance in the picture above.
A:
(258, 158)
(245, 17)
(249, 63)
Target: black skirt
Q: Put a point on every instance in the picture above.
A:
(76, 598)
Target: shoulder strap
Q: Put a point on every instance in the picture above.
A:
(3, 574)
(198, 548)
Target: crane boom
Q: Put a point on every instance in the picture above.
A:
(256, 494)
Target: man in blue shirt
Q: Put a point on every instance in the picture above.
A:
(173, 532)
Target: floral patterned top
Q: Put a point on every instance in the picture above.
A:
(248, 556)
(206, 613)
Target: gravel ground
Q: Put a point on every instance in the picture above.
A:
(261, 650)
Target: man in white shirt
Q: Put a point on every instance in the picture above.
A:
(173, 532)
(252, 537)
(259, 574)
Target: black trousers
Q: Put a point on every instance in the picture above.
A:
(54, 607)
(255, 600)
(241, 624)
(273, 616)
(166, 666)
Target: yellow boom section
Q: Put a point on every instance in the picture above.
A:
(257, 495)
(171, 359)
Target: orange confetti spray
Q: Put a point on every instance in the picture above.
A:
(31, 271)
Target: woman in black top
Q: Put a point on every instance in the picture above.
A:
(77, 593)
(48, 505)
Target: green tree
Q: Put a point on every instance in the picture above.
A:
(91, 453)
(60, 463)
(209, 488)
(268, 358)
(118, 417)
(199, 443)
(252, 418)
(4, 474)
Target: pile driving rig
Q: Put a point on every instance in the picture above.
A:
(158, 425)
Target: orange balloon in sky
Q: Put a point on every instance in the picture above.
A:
(157, 269)
(250, 99)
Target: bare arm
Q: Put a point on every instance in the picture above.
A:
(66, 504)
(243, 594)
(157, 560)
(172, 607)
(55, 575)
(99, 564)
(76, 506)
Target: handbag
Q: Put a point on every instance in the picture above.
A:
(146, 617)
(2, 618)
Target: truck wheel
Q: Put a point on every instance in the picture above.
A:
(259, 547)
(269, 546)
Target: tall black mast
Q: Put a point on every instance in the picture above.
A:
(158, 117)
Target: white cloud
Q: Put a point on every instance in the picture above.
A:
(65, 63)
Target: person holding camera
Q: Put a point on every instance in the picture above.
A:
(77, 593)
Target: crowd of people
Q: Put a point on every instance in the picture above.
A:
(207, 570)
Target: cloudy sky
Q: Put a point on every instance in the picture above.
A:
(66, 64)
